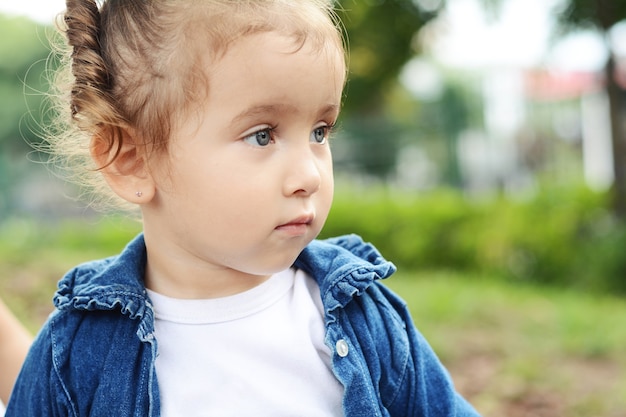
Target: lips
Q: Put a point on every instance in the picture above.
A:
(298, 225)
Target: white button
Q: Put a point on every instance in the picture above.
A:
(342, 348)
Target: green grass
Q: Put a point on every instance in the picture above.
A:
(513, 350)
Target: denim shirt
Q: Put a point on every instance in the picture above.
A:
(95, 356)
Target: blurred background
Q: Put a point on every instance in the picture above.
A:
(482, 148)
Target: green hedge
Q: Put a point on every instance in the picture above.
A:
(562, 236)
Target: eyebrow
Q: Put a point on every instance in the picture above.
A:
(278, 108)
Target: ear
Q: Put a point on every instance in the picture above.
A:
(126, 168)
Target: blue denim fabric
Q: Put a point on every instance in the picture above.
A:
(96, 354)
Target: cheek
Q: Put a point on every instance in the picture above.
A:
(328, 185)
(328, 170)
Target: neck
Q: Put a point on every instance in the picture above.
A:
(180, 275)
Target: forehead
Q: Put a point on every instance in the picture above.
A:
(263, 80)
(271, 64)
(284, 44)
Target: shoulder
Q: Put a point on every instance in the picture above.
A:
(378, 324)
(107, 284)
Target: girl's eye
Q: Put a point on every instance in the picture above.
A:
(320, 134)
(260, 138)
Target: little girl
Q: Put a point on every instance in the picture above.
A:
(213, 117)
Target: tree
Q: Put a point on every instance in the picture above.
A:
(602, 15)
(380, 37)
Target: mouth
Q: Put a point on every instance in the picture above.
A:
(297, 226)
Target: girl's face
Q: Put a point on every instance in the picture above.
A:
(248, 184)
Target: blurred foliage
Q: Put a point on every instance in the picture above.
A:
(23, 55)
(565, 236)
(23, 61)
(601, 14)
(380, 37)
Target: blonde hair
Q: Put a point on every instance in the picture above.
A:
(134, 66)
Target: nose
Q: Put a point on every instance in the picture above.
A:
(304, 175)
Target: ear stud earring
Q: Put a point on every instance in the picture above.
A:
(138, 193)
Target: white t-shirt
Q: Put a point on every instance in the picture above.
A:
(257, 353)
(2, 410)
